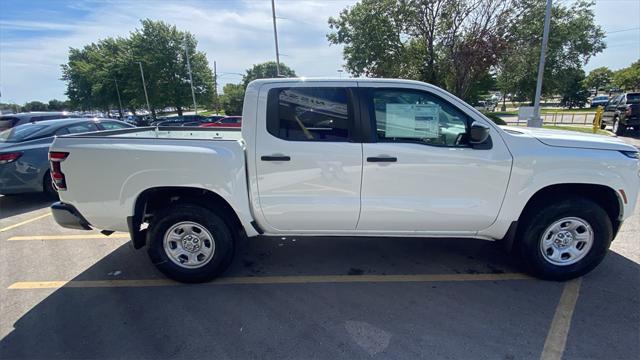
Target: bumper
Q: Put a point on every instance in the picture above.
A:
(68, 216)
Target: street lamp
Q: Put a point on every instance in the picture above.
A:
(144, 86)
(119, 101)
(193, 94)
(535, 120)
(275, 36)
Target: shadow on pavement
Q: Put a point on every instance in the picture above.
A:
(479, 319)
(19, 204)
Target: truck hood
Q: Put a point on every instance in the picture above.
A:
(572, 139)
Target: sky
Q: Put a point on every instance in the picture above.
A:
(35, 36)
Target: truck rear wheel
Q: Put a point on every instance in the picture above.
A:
(564, 240)
(189, 243)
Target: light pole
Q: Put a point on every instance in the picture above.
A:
(193, 94)
(535, 120)
(144, 86)
(275, 36)
(119, 101)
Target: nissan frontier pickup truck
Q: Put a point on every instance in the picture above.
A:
(349, 157)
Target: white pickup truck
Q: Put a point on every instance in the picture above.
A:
(349, 157)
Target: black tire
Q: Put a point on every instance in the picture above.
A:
(223, 240)
(47, 186)
(603, 125)
(618, 128)
(541, 217)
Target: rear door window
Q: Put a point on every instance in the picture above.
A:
(310, 114)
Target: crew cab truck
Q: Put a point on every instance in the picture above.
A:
(349, 157)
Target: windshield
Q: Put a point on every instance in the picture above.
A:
(20, 132)
(601, 98)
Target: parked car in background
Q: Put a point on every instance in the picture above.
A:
(622, 112)
(185, 120)
(9, 121)
(227, 121)
(138, 120)
(600, 100)
(24, 165)
(485, 105)
(213, 118)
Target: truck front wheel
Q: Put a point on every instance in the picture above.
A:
(564, 240)
(189, 243)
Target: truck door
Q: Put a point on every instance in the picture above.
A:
(308, 161)
(420, 173)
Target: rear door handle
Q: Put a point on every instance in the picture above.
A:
(382, 159)
(275, 158)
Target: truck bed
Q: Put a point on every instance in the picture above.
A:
(107, 171)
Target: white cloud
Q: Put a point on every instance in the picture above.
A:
(234, 34)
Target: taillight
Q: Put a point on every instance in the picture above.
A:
(9, 157)
(55, 158)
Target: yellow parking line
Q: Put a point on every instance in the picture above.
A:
(257, 280)
(24, 222)
(556, 340)
(69, 237)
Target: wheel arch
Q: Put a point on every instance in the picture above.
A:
(602, 195)
(153, 199)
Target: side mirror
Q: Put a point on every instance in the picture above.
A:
(478, 133)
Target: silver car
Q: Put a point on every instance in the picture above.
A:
(24, 163)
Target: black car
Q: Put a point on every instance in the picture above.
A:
(622, 112)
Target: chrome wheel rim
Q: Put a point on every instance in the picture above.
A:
(566, 241)
(189, 245)
(615, 125)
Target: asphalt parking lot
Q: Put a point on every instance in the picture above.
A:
(75, 294)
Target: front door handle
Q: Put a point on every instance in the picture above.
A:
(382, 159)
(275, 158)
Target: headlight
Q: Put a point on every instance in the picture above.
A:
(631, 154)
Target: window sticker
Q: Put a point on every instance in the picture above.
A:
(412, 121)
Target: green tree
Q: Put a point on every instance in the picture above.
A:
(266, 70)
(453, 44)
(11, 107)
(232, 99)
(57, 105)
(573, 89)
(161, 49)
(35, 106)
(574, 38)
(93, 71)
(628, 78)
(599, 78)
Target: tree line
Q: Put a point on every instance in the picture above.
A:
(471, 46)
(96, 73)
(52, 105)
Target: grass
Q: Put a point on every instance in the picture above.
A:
(210, 112)
(584, 129)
